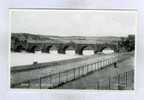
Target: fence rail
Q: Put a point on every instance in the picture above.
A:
(122, 81)
(57, 79)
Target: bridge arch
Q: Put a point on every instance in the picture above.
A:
(80, 50)
(19, 48)
(67, 48)
(62, 48)
(49, 48)
(34, 48)
(108, 48)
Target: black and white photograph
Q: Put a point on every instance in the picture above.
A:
(72, 49)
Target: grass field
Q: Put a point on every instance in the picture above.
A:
(89, 81)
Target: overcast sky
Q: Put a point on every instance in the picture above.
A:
(74, 22)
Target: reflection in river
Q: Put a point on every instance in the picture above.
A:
(24, 58)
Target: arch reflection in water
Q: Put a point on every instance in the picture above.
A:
(53, 50)
(69, 50)
(107, 51)
(87, 50)
(39, 57)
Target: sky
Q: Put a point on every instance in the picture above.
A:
(74, 22)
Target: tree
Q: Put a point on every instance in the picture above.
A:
(128, 43)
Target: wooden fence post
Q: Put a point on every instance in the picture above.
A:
(79, 72)
(87, 68)
(74, 72)
(28, 83)
(95, 66)
(50, 76)
(40, 82)
(98, 87)
(59, 78)
(82, 70)
(119, 87)
(67, 76)
(126, 79)
(109, 82)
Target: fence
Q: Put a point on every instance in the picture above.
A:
(122, 81)
(54, 80)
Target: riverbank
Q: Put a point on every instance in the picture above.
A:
(89, 81)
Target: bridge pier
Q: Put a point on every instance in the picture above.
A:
(30, 51)
(61, 51)
(95, 52)
(45, 51)
(79, 52)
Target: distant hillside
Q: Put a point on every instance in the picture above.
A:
(66, 39)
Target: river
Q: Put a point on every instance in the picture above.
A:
(24, 58)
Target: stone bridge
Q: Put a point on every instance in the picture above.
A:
(34, 45)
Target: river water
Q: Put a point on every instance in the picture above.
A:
(24, 58)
